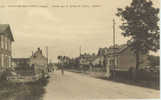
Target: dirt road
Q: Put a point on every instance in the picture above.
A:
(73, 86)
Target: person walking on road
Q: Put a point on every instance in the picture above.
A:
(62, 70)
(55, 68)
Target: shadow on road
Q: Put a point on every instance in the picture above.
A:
(145, 84)
(119, 79)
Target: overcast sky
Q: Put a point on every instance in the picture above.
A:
(63, 30)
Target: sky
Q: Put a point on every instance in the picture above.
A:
(63, 30)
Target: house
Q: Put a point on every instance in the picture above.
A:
(34, 65)
(6, 39)
(22, 66)
(39, 62)
(91, 62)
(122, 58)
(19, 62)
(84, 61)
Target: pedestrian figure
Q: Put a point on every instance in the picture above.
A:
(55, 68)
(62, 70)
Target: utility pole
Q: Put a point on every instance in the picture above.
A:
(47, 53)
(32, 53)
(114, 46)
(80, 50)
(114, 32)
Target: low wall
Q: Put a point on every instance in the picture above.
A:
(24, 79)
(1, 72)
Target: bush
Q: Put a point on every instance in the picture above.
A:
(22, 91)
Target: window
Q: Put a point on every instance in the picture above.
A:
(9, 61)
(2, 60)
(9, 45)
(112, 62)
(0, 40)
(117, 60)
(6, 43)
(2, 45)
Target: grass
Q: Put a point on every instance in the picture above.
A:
(22, 91)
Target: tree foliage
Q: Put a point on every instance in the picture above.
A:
(140, 23)
(154, 60)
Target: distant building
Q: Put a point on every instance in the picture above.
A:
(22, 66)
(6, 39)
(39, 62)
(85, 59)
(91, 62)
(19, 62)
(122, 58)
(34, 65)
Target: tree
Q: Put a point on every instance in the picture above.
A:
(59, 57)
(140, 23)
(154, 60)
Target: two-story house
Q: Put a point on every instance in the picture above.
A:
(39, 62)
(6, 39)
(34, 65)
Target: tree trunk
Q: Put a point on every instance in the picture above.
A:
(137, 60)
(137, 65)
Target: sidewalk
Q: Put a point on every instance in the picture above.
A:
(101, 75)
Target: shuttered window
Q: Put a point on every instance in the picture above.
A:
(2, 45)
(9, 59)
(2, 60)
(0, 40)
(6, 42)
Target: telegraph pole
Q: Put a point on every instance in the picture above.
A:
(47, 53)
(114, 46)
(114, 32)
(80, 50)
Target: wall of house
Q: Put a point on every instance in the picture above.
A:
(126, 59)
(39, 60)
(20, 62)
(5, 52)
(39, 63)
(97, 60)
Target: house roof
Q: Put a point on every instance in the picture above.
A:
(20, 59)
(117, 49)
(5, 29)
(38, 53)
(122, 48)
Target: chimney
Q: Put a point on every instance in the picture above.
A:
(38, 49)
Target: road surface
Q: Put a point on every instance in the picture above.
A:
(74, 86)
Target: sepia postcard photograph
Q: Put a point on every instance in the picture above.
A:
(79, 49)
